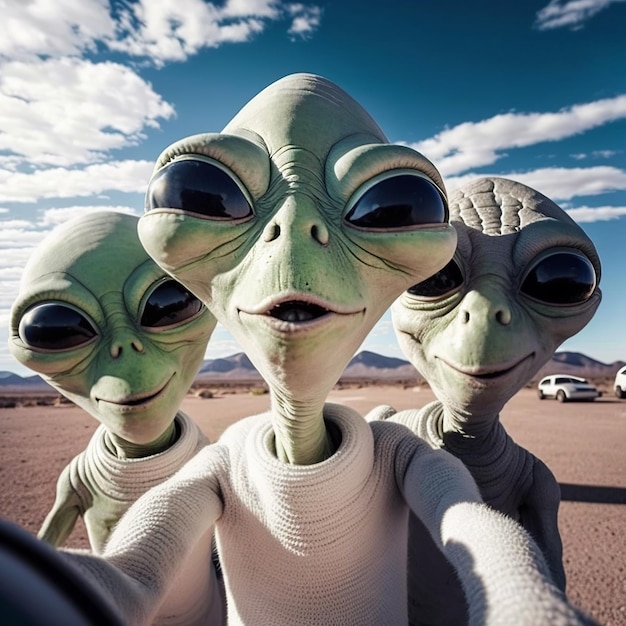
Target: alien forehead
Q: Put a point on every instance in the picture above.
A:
(303, 111)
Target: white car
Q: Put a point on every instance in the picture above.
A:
(620, 383)
(565, 388)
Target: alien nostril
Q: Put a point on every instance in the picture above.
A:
(503, 316)
(465, 317)
(271, 232)
(320, 234)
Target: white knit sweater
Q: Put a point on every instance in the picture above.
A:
(326, 543)
(107, 486)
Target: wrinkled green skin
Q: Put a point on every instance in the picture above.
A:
(96, 265)
(478, 345)
(303, 150)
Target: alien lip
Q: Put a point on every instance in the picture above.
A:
(485, 373)
(137, 399)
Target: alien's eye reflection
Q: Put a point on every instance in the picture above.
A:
(441, 284)
(169, 304)
(198, 187)
(561, 278)
(54, 326)
(398, 202)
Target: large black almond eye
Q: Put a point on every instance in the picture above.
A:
(440, 284)
(561, 278)
(55, 327)
(398, 202)
(170, 303)
(198, 187)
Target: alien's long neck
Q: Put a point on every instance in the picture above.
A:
(123, 449)
(467, 421)
(301, 435)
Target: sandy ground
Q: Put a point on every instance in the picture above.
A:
(583, 443)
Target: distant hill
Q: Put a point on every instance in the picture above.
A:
(364, 366)
(578, 364)
(232, 368)
(370, 365)
(10, 380)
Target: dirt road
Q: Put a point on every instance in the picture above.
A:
(583, 443)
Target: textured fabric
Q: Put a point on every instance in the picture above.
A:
(326, 543)
(107, 486)
(510, 479)
(312, 534)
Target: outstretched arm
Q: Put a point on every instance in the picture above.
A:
(66, 509)
(504, 575)
(154, 537)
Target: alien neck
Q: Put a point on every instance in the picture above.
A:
(124, 449)
(470, 422)
(301, 435)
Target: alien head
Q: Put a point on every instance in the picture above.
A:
(107, 327)
(297, 226)
(523, 279)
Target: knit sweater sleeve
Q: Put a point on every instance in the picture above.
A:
(155, 536)
(503, 573)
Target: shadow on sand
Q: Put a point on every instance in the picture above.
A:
(593, 493)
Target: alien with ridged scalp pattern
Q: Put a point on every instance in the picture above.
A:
(111, 331)
(523, 279)
(298, 226)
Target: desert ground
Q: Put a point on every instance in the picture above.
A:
(583, 443)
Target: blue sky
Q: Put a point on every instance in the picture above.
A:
(91, 91)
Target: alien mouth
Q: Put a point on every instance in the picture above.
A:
(297, 311)
(140, 399)
(301, 310)
(484, 373)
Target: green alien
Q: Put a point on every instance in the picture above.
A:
(298, 226)
(107, 328)
(523, 279)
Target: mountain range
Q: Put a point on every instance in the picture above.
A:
(364, 366)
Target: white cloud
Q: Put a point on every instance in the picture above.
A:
(34, 28)
(55, 217)
(173, 31)
(222, 344)
(125, 176)
(18, 239)
(305, 20)
(559, 183)
(596, 214)
(159, 32)
(595, 154)
(166, 32)
(476, 144)
(69, 111)
(571, 13)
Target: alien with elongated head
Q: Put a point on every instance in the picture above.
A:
(523, 279)
(297, 226)
(106, 327)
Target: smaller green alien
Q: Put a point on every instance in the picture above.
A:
(523, 279)
(107, 328)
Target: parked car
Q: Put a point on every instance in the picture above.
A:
(619, 385)
(565, 388)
